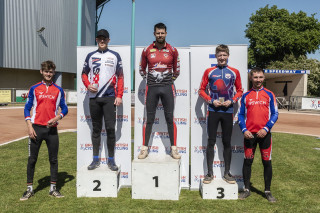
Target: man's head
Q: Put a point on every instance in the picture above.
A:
(102, 39)
(222, 54)
(256, 76)
(160, 33)
(47, 70)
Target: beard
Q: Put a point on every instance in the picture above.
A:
(161, 40)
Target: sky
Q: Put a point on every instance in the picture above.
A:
(199, 22)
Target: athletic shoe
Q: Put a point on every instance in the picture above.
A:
(94, 165)
(174, 152)
(229, 179)
(269, 197)
(243, 195)
(143, 152)
(207, 179)
(112, 165)
(26, 195)
(55, 193)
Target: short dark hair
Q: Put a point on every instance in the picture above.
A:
(256, 69)
(160, 26)
(222, 48)
(48, 65)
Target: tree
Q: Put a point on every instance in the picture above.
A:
(274, 33)
(291, 62)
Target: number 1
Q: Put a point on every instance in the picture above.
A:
(155, 178)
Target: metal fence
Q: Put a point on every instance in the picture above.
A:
(17, 96)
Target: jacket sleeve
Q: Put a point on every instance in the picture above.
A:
(143, 63)
(120, 78)
(242, 115)
(176, 64)
(239, 89)
(29, 104)
(273, 113)
(85, 72)
(203, 86)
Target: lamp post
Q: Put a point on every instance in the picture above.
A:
(132, 44)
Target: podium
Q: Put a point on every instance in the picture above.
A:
(219, 189)
(156, 178)
(101, 182)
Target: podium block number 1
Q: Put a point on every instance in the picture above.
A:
(156, 181)
(97, 186)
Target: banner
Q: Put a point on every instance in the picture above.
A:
(22, 95)
(159, 141)
(203, 57)
(311, 103)
(5, 96)
(123, 124)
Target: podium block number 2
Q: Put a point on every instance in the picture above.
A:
(220, 192)
(156, 181)
(97, 186)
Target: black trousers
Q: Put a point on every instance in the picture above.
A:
(50, 135)
(166, 93)
(226, 120)
(103, 108)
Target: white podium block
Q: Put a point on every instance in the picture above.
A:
(101, 182)
(219, 189)
(156, 178)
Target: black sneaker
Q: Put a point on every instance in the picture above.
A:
(55, 193)
(112, 165)
(229, 179)
(94, 165)
(207, 179)
(26, 195)
(269, 197)
(243, 195)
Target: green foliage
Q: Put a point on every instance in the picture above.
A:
(302, 63)
(295, 183)
(274, 33)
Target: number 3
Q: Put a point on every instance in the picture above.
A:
(220, 191)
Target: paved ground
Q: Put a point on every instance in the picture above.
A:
(13, 126)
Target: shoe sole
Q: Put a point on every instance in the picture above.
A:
(207, 182)
(94, 168)
(175, 157)
(229, 181)
(142, 157)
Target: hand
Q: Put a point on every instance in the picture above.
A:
(262, 133)
(226, 103)
(217, 103)
(118, 101)
(91, 88)
(53, 121)
(248, 135)
(32, 134)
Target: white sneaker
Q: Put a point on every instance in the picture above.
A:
(143, 152)
(174, 152)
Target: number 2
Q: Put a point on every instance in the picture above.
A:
(155, 178)
(97, 186)
(220, 191)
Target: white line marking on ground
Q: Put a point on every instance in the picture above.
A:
(18, 139)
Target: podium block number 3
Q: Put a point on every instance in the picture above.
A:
(97, 186)
(220, 192)
(156, 181)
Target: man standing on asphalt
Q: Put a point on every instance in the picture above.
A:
(258, 114)
(103, 77)
(163, 64)
(44, 97)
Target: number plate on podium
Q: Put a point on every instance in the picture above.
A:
(156, 178)
(101, 182)
(219, 189)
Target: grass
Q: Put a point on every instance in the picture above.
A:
(296, 183)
